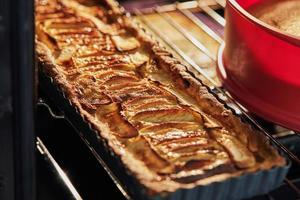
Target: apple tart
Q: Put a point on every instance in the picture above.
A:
(163, 123)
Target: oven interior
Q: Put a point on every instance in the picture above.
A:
(68, 167)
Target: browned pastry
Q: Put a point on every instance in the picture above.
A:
(168, 130)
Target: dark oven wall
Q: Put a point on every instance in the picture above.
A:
(17, 136)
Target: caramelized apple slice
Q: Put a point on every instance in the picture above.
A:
(151, 104)
(107, 74)
(67, 22)
(98, 59)
(242, 157)
(119, 126)
(121, 83)
(162, 128)
(65, 55)
(167, 115)
(142, 150)
(125, 43)
(139, 58)
(111, 29)
(196, 169)
(170, 135)
(182, 148)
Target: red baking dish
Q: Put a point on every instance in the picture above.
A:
(260, 65)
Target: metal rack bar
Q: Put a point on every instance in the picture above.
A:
(186, 34)
(270, 197)
(182, 5)
(221, 3)
(113, 177)
(173, 46)
(212, 13)
(200, 24)
(284, 134)
(220, 90)
(41, 102)
(44, 151)
(292, 185)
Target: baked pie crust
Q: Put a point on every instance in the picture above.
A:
(163, 123)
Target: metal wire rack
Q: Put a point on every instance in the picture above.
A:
(189, 10)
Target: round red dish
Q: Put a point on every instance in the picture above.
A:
(260, 65)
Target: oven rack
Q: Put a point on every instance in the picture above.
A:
(185, 8)
(208, 8)
(58, 172)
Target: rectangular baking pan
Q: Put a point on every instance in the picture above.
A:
(244, 186)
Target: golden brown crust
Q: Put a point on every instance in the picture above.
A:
(184, 80)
